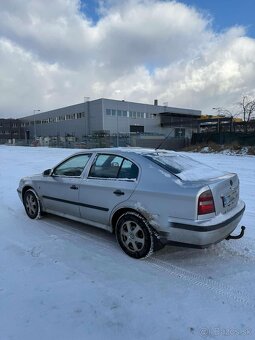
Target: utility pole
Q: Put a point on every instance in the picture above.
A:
(35, 124)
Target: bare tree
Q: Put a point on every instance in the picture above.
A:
(248, 108)
(245, 111)
(221, 111)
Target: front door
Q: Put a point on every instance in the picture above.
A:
(60, 191)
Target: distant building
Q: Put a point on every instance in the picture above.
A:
(110, 117)
(11, 129)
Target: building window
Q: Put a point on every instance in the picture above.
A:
(179, 132)
(119, 113)
(150, 115)
(137, 128)
(132, 114)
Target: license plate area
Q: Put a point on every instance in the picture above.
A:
(230, 199)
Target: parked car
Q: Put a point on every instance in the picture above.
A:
(147, 197)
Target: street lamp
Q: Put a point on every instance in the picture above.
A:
(86, 116)
(117, 113)
(34, 124)
(117, 129)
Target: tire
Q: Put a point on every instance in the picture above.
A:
(32, 204)
(135, 236)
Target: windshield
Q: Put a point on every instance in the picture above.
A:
(183, 167)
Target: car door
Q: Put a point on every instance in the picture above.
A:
(60, 190)
(110, 181)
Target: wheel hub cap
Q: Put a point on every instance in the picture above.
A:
(132, 236)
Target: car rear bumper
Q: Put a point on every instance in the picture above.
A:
(203, 234)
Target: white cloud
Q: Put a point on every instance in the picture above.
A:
(52, 55)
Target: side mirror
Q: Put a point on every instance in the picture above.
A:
(47, 172)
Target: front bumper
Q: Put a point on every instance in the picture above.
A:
(203, 234)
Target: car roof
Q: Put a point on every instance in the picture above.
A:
(126, 150)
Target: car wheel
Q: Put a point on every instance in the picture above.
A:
(32, 204)
(135, 236)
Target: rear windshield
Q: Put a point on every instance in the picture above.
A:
(183, 167)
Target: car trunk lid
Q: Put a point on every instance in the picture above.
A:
(225, 192)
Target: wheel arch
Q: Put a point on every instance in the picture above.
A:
(26, 187)
(119, 213)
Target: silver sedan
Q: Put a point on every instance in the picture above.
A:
(147, 197)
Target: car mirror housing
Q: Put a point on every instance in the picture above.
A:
(47, 172)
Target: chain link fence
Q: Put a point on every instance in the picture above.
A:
(105, 141)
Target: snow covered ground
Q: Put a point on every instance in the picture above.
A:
(63, 280)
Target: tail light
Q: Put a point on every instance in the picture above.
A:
(205, 203)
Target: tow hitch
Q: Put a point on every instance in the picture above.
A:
(230, 237)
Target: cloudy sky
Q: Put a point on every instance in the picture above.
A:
(188, 53)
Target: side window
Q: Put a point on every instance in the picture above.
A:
(72, 167)
(112, 166)
(106, 166)
(128, 170)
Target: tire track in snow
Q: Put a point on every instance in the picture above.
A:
(199, 280)
(81, 233)
(172, 270)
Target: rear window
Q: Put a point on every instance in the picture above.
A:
(183, 167)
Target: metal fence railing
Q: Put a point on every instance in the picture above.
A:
(135, 140)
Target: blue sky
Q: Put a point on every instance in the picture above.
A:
(148, 49)
(225, 13)
(228, 13)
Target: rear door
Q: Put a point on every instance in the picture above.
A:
(110, 181)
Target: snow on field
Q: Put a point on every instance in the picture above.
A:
(64, 280)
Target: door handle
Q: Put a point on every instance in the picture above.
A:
(118, 193)
(74, 187)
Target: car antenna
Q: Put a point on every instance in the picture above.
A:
(163, 141)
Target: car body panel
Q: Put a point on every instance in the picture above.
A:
(95, 191)
(206, 233)
(56, 193)
(163, 198)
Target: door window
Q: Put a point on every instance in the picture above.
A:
(112, 166)
(72, 167)
(128, 170)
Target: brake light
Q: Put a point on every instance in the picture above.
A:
(205, 203)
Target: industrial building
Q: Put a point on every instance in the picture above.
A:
(11, 129)
(107, 116)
